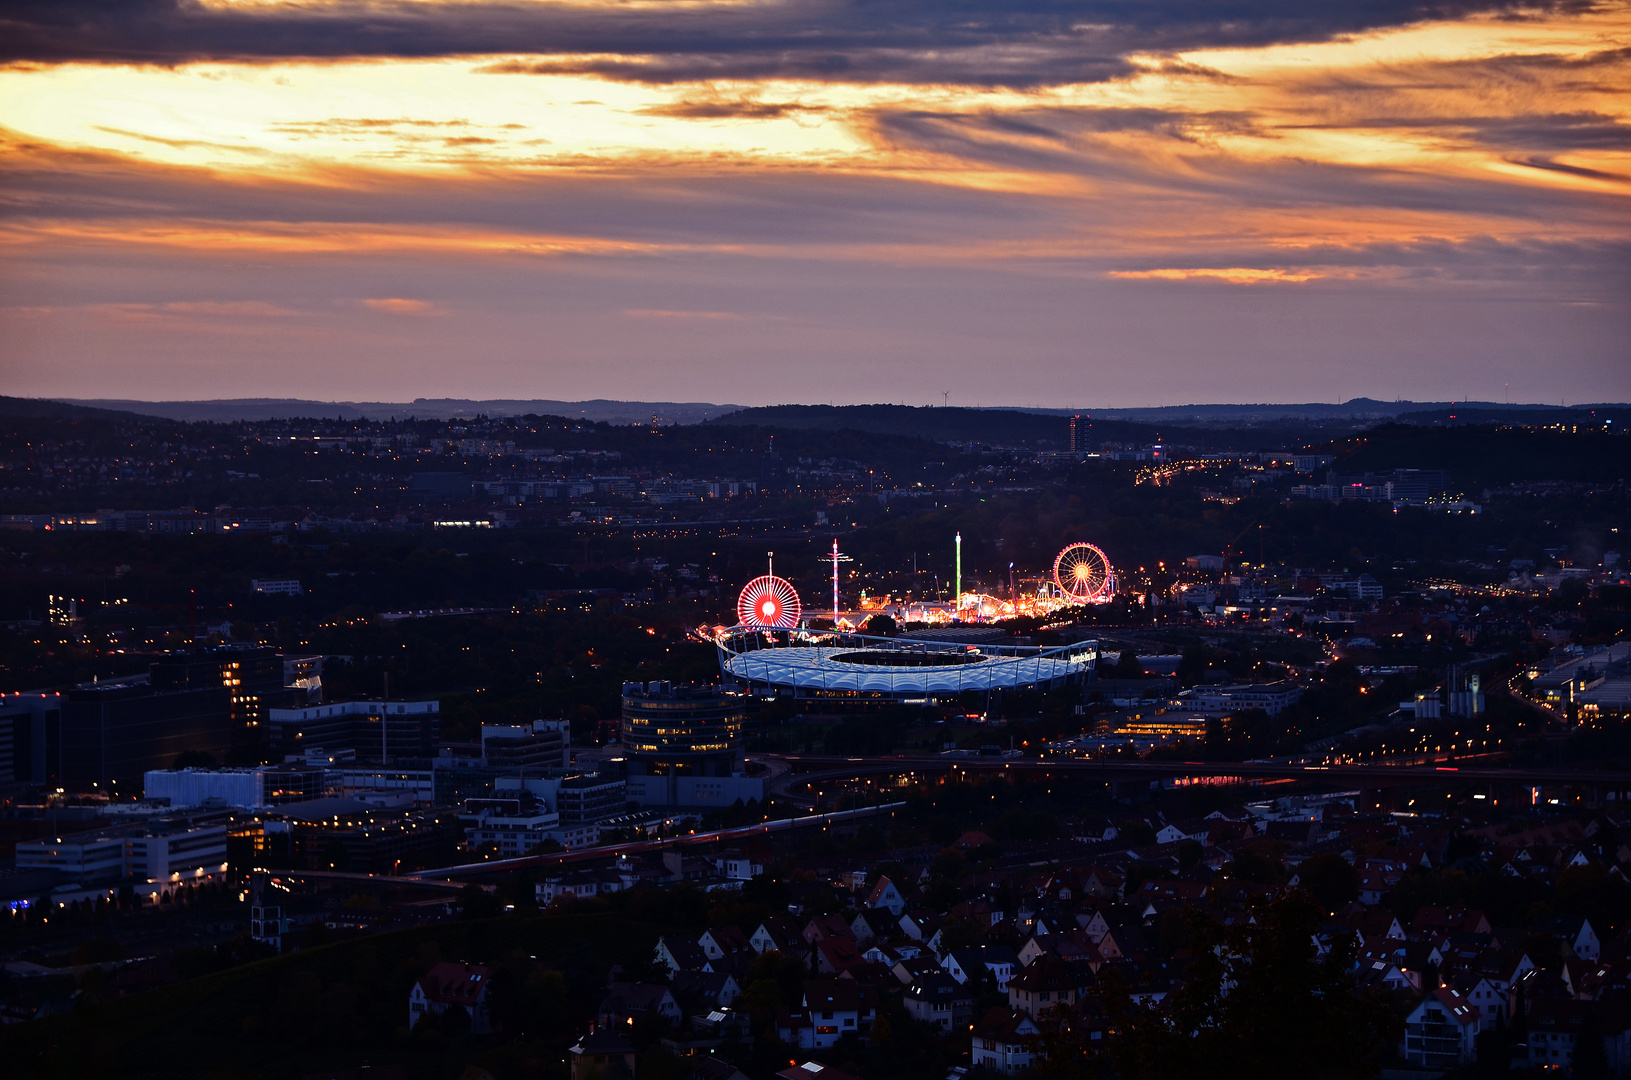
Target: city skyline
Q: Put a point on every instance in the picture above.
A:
(1018, 206)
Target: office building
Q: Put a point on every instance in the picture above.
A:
(253, 676)
(115, 732)
(373, 730)
(241, 789)
(1272, 698)
(584, 800)
(160, 850)
(683, 745)
(540, 745)
(28, 729)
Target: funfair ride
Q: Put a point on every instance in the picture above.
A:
(1083, 575)
(769, 601)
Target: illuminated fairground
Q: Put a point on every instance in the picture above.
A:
(775, 648)
(1080, 575)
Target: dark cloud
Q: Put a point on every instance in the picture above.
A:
(1573, 170)
(987, 42)
(1551, 133)
(741, 109)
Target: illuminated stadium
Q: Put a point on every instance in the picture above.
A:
(857, 667)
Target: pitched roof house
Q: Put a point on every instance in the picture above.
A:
(449, 984)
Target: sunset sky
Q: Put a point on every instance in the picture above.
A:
(1016, 202)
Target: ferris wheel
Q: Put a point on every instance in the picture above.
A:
(1083, 575)
(768, 600)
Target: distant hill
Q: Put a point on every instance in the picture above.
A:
(228, 409)
(45, 408)
(1038, 429)
(1363, 410)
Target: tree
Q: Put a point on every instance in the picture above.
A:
(882, 626)
(1258, 1002)
(1129, 666)
(1192, 666)
(476, 902)
(1590, 1059)
(1330, 880)
(526, 895)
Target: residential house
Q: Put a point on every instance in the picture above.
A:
(724, 941)
(603, 1054)
(823, 927)
(449, 985)
(780, 934)
(869, 926)
(704, 991)
(1430, 920)
(839, 1007)
(886, 896)
(1573, 931)
(966, 964)
(1002, 1041)
(1043, 987)
(834, 955)
(625, 1002)
(936, 998)
(1441, 1032)
(813, 1070)
(680, 953)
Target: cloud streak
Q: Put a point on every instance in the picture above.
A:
(988, 42)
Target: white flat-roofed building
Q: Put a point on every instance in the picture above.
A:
(239, 788)
(242, 789)
(157, 851)
(513, 835)
(1272, 698)
(83, 858)
(185, 855)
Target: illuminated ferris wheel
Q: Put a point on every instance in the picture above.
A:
(1083, 575)
(768, 601)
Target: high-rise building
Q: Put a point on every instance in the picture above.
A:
(375, 730)
(683, 745)
(252, 674)
(29, 728)
(114, 732)
(540, 745)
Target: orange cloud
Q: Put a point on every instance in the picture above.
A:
(659, 313)
(1234, 275)
(399, 306)
(225, 308)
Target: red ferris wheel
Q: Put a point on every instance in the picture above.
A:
(769, 601)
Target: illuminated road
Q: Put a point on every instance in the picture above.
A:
(810, 771)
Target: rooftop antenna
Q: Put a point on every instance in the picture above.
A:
(836, 557)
